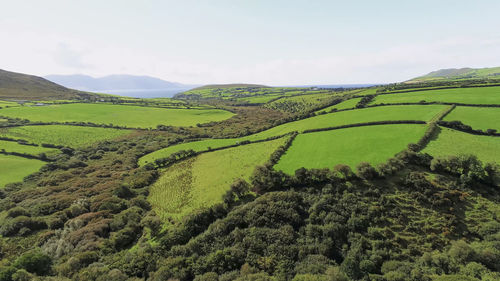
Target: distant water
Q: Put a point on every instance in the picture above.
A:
(145, 93)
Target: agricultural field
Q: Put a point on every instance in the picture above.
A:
(482, 118)
(452, 142)
(372, 144)
(202, 181)
(72, 136)
(14, 169)
(479, 95)
(8, 104)
(118, 115)
(12, 146)
(197, 146)
(350, 103)
(382, 113)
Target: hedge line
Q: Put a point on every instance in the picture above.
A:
(459, 126)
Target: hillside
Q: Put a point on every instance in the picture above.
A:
(458, 74)
(113, 82)
(246, 183)
(18, 86)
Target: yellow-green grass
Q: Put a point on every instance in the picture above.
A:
(351, 103)
(482, 118)
(12, 146)
(479, 95)
(371, 114)
(201, 182)
(452, 142)
(196, 146)
(372, 144)
(14, 169)
(122, 115)
(72, 136)
(8, 103)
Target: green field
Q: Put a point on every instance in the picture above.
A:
(372, 144)
(12, 146)
(477, 117)
(196, 146)
(121, 115)
(14, 169)
(72, 136)
(382, 113)
(480, 95)
(202, 181)
(452, 142)
(351, 103)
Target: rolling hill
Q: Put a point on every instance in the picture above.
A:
(459, 74)
(18, 86)
(113, 82)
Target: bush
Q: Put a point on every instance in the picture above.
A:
(17, 211)
(35, 262)
(366, 171)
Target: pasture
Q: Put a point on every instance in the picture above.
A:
(350, 103)
(201, 182)
(452, 142)
(72, 136)
(12, 146)
(372, 144)
(479, 95)
(14, 169)
(477, 117)
(382, 113)
(120, 115)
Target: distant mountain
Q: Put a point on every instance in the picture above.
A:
(113, 82)
(459, 74)
(18, 86)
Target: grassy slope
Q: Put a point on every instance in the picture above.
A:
(383, 113)
(72, 136)
(351, 103)
(14, 169)
(203, 180)
(130, 116)
(484, 95)
(11, 146)
(477, 117)
(27, 87)
(451, 142)
(460, 73)
(373, 144)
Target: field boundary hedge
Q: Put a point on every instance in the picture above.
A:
(459, 126)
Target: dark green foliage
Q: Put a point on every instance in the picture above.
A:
(35, 262)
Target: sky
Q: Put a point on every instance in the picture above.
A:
(270, 42)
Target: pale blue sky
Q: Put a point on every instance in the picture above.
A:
(269, 42)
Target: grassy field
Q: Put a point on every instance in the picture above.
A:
(382, 113)
(196, 146)
(372, 144)
(130, 116)
(11, 146)
(452, 142)
(351, 103)
(72, 136)
(477, 117)
(481, 95)
(202, 181)
(14, 169)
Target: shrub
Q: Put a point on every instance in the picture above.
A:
(35, 262)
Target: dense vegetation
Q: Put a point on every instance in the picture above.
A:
(292, 184)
